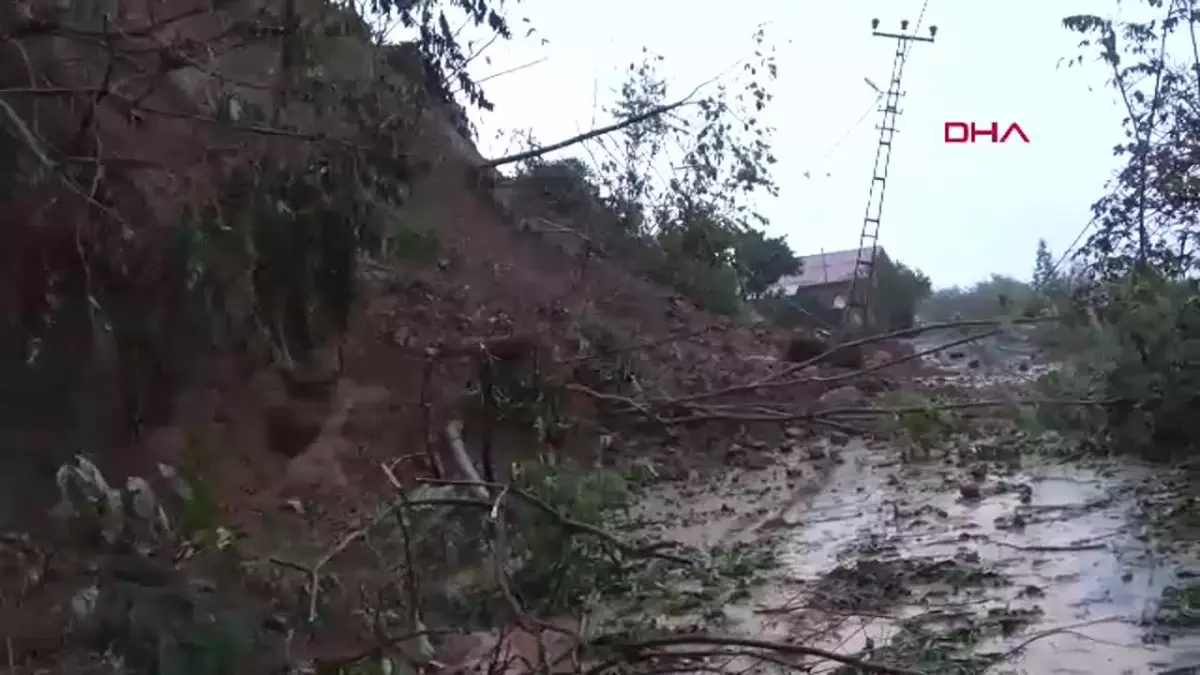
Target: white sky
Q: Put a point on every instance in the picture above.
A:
(957, 212)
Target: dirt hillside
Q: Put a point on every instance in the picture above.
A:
(193, 398)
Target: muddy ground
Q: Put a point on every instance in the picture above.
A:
(990, 555)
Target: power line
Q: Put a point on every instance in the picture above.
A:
(871, 108)
(840, 141)
(1067, 253)
(920, 19)
(1082, 231)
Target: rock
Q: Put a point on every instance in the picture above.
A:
(757, 462)
(970, 492)
(1025, 493)
(741, 457)
(878, 358)
(973, 363)
(803, 348)
(848, 396)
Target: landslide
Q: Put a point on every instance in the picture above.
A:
(128, 134)
(279, 267)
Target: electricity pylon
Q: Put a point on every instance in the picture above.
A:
(863, 280)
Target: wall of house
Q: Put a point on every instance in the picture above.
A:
(827, 294)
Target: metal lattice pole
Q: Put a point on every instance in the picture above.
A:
(863, 279)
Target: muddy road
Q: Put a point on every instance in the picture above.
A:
(988, 556)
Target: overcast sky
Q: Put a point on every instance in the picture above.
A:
(958, 212)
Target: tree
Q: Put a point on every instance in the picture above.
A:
(1149, 217)
(1142, 315)
(899, 289)
(998, 295)
(683, 183)
(762, 261)
(1044, 271)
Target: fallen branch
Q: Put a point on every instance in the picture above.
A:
(569, 525)
(962, 405)
(774, 379)
(634, 650)
(1055, 631)
(902, 359)
(587, 135)
(761, 414)
(458, 450)
(602, 131)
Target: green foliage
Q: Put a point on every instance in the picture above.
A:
(409, 243)
(899, 289)
(562, 571)
(799, 310)
(697, 257)
(1149, 216)
(1136, 315)
(278, 248)
(143, 609)
(1142, 362)
(694, 230)
(998, 296)
(569, 185)
(438, 40)
(761, 261)
(174, 629)
(1045, 272)
(713, 287)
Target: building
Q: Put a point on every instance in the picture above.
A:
(827, 277)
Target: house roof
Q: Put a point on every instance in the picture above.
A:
(827, 267)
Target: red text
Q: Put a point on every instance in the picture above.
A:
(970, 132)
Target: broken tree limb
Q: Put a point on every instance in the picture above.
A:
(569, 525)
(635, 651)
(779, 378)
(587, 135)
(458, 450)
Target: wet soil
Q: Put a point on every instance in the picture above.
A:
(1046, 568)
(976, 560)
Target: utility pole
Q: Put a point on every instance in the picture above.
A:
(863, 280)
